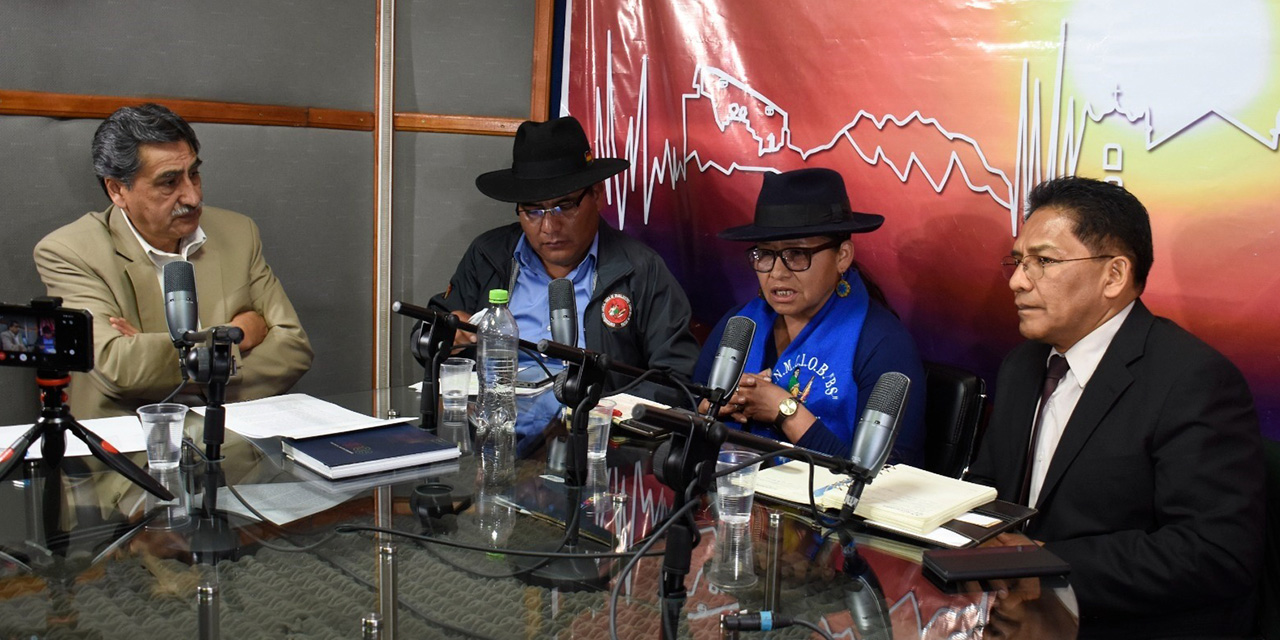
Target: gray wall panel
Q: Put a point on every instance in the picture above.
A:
(311, 193)
(309, 190)
(291, 52)
(438, 211)
(47, 180)
(464, 58)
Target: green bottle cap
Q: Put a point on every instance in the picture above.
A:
(498, 296)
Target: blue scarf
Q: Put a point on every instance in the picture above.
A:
(817, 367)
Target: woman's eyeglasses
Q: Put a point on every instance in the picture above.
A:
(793, 258)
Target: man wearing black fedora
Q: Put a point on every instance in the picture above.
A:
(629, 305)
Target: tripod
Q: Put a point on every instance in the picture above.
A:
(55, 420)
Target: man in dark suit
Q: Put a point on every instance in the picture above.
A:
(1137, 442)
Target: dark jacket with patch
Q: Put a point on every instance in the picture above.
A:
(656, 334)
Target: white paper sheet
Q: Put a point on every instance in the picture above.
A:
(123, 432)
(296, 415)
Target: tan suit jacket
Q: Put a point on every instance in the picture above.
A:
(96, 263)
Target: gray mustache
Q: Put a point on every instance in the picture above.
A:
(182, 209)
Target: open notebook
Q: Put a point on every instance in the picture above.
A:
(902, 499)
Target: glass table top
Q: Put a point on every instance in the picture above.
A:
(277, 551)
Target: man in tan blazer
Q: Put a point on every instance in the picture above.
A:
(110, 262)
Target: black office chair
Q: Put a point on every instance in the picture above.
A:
(953, 410)
(1269, 592)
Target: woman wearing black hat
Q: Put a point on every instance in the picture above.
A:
(821, 342)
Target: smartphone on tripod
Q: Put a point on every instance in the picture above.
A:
(46, 336)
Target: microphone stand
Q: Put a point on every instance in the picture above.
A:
(432, 340)
(686, 463)
(212, 541)
(579, 386)
(212, 365)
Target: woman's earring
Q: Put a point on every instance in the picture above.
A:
(843, 288)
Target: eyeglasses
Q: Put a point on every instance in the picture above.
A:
(794, 258)
(564, 209)
(1034, 266)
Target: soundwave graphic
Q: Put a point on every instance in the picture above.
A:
(1031, 165)
(739, 112)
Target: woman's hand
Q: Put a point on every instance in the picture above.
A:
(757, 398)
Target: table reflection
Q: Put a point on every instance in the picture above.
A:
(79, 556)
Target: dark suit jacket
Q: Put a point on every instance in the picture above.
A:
(1155, 492)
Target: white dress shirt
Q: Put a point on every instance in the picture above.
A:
(1082, 358)
(186, 246)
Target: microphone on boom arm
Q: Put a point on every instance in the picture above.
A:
(877, 430)
(181, 311)
(564, 312)
(731, 357)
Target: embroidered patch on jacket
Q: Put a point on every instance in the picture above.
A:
(616, 311)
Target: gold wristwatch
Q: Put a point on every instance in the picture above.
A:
(786, 409)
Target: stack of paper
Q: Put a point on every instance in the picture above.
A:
(296, 415)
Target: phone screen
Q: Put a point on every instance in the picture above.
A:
(46, 338)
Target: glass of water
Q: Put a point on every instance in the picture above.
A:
(162, 426)
(733, 566)
(455, 384)
(598, 423)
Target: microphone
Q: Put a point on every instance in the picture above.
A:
(180, 308)
(877, 430)
(564, 312)
(731, 357)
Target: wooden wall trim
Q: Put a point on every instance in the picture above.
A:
(543, 39)
(435, 123)
(66, 105)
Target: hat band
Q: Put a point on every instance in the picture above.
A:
(550, 168)
(782, 216)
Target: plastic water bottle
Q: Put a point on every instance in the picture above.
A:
(499, 341)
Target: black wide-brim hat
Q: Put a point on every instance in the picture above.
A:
(803, 203)
(550, 159)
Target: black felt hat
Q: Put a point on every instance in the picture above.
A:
(803, 203)
(550, 159)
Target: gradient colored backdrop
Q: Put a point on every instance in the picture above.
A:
(940, 115)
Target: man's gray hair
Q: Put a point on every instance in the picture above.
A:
(115, 143)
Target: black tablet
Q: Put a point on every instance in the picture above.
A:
(989, 563)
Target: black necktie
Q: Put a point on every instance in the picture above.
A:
(1057, 369)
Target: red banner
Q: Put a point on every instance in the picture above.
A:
(941, 115)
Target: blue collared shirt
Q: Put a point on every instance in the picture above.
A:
(529, 297)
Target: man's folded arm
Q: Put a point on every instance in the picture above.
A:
(273, 366)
